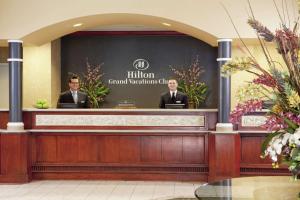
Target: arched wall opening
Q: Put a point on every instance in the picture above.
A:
(60, 29)
(42, 49)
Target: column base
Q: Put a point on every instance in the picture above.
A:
(224, 128)
(15, 126)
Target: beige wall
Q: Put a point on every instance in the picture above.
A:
(41, 74)
(4, 85)
(36, 74)
(242, 77)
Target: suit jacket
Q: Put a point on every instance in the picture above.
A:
(166, 98)
(66, 97)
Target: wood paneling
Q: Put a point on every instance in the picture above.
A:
(224, 156)
(117, 154)
(27, 120)
(12, 154)
(32, 150)
(46, 148)
(151, 149)
(121, 149)
(3, 119)
(87, 149)
(130, 155)
(15, 162)
(202, 177)
(251, 150)
(130, 147)
(251, 163)
(193, 149)
(172, 149)
(109, 149)
(67, 149)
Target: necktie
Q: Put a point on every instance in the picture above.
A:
(75, 97)
(173, 97)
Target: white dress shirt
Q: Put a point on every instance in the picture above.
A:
(171, 93)
(75, 96)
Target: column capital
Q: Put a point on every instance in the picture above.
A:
(15, 41)
(223, 59)
(224, 40)
(14, 60)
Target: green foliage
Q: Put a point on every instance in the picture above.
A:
(291, 125)
(92, 85)
(42, 104)
(195, 92)
(189, 82)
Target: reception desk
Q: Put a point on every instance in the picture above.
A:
(140, 144)
(137, 144)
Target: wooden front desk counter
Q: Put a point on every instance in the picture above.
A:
(137, 144)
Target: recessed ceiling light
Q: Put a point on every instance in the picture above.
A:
(77, 25)
(166, 24)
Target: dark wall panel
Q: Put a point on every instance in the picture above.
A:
(3, 54)
(118, 53)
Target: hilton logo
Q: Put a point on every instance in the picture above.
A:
(139, 76)
(141, 64)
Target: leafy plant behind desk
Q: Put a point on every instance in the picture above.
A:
(92, 85)
(189, 83)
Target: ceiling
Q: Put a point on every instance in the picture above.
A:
(197, 18)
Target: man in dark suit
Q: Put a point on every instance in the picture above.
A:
(173, 96)
(73, 95)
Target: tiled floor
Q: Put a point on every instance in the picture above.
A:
(97, 190)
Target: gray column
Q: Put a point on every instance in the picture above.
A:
(15, 61)
(224, 54)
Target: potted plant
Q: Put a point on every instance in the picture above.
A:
(189, 83)
(92, 85)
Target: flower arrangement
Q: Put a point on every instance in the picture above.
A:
(189, 83)
(278, 82)
(91, 84)
(248, 91)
